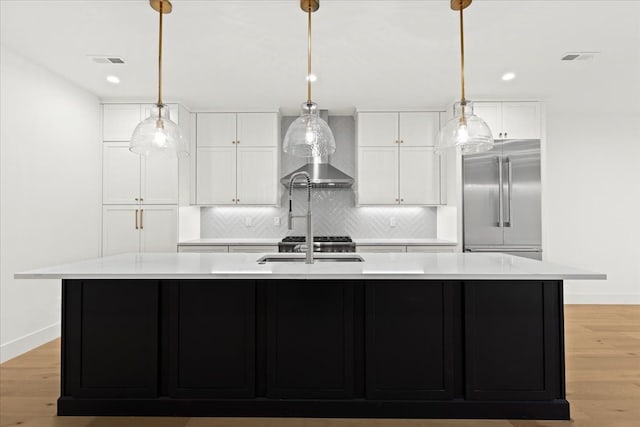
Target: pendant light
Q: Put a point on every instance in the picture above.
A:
(158, 133)
(309, 135)
(465, 131)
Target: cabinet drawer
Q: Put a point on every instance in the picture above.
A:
(204, 249)
(253, 248)
(431, 249)
(380, 249)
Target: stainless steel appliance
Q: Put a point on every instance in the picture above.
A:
(501, 199)
(320, 244)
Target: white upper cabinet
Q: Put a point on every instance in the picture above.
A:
(237, 159)
(419, 129)
(378, 176)
(128, 178)
(216, 176)
(216, 129)
(400, 168)
(119, 121)
(511, 120)
(257, 171)
(257, 129)
(419, 176)
(377, 129)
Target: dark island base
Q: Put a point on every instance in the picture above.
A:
(548, 410)
(305, 348)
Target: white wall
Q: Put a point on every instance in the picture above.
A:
(591, 202)
(50, 194)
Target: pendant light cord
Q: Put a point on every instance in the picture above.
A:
(463, 101)
(309, 55)
(160, 60)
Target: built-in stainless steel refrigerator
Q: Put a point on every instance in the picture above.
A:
(501, 199)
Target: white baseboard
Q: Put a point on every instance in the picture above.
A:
(585, 298)
(28, 342)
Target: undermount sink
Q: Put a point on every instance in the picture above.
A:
(317, 257)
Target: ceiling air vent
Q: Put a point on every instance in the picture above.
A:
(102, 59)
(579, 56)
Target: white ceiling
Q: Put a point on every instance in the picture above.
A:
(239, 54)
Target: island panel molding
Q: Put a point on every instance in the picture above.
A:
(313, 348)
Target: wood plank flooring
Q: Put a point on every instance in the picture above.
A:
(603, 384)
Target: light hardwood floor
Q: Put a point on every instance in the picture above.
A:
(603, 384)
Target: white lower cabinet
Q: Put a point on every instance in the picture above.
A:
(253, 249)
(230, 249)
(204, 248)
(139, 229)
(384, 249)
(431, 249)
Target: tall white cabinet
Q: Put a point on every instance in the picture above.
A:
(397, 161)
(237, 158)
(139, 193)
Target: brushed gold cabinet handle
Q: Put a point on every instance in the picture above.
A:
(402, 200)
(401, 142)
(137, 219)
(397, 200)
(396, 141)
(136, 199)
(505, 134)
(233, 200)
(141, 212)
(237, 200)
(237, 142)
(233, 142)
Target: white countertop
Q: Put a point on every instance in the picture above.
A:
(397, 266)
(276, 240)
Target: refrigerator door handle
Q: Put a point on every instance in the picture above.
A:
(507, 222)
(500, 194)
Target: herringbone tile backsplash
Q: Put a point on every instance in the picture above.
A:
(334, 211)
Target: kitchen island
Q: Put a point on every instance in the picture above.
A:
(398, 335)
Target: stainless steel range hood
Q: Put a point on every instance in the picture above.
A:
(323, 174)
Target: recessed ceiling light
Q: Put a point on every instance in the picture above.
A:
(113, 79)
(508, 76)
(312, 78)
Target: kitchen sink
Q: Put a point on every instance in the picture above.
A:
(317, 257)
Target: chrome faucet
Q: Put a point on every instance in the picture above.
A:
(309, 237)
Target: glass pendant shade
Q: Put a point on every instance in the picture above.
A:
(158, 134)
(309, 135)
(465, 131)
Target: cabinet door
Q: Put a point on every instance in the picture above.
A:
(491, 113)
(120, 174)
(419, 176)
(212, 339)
(378, 129)
(310, 339)
(120, 230)
(216, 129)
(521, 120)
(257, 176)
(159, 183)
(257, 129)
(419, 129)
(216, 176)
(110, 338)
(409, 340)
(119, 121)
(513, 340)
(378, 175)
(158, 228)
